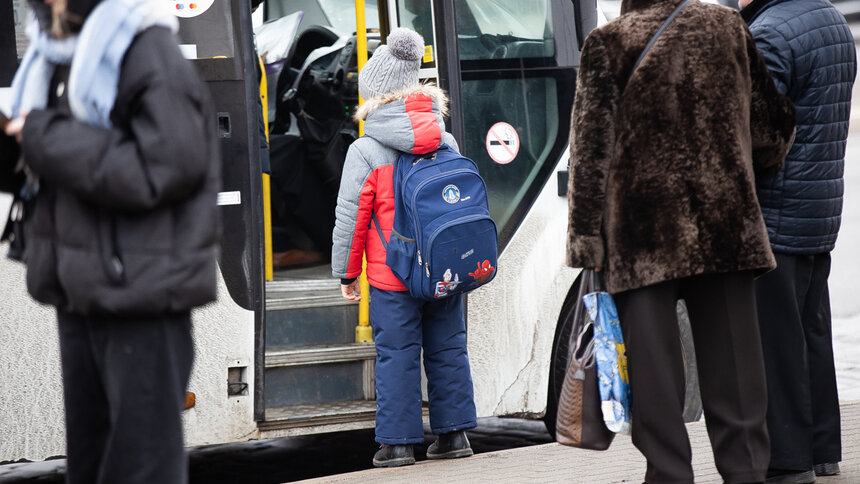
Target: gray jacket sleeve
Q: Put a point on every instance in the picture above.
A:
(352, 215)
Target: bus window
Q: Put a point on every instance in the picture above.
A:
(418, 16)
(515, 86)
(530, 106)
(503, 29)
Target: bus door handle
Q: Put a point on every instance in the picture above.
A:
(224, 125)
(562, 182)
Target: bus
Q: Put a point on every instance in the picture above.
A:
(281, 353)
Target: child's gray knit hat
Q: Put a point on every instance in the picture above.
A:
(393, 66)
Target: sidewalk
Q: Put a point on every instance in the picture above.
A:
(556, 463)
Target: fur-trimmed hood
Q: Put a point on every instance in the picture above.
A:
(435, 93)
(409, 120)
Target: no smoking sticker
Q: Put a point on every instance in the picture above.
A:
(503, 143)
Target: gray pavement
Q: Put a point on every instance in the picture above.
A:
(550, 463)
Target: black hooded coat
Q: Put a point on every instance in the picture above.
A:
(125, 221)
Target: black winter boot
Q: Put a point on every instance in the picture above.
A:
(394, 456)
(450, 446)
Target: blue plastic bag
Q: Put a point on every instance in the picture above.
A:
(609, 352)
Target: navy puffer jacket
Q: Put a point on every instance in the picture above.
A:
(810, 52)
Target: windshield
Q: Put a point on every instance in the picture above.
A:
(341, 15)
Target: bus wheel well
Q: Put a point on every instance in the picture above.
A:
(558, 360)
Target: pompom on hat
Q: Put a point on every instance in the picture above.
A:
(393, 66)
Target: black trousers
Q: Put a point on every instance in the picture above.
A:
(731, 375)
(803, 409)
(124, 382)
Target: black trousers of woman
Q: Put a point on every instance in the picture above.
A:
(124, 382)
(722, 312)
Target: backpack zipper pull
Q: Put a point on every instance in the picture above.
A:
(420, 262)
(427, 268)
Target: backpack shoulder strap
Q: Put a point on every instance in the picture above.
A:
(396, 178)
(657, 34)
(379, 230)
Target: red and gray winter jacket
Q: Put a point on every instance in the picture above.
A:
(405, 121)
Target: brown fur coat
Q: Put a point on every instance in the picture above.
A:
(663, 163)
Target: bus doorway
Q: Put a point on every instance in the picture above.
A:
(509, 69)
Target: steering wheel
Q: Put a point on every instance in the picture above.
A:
(498, 50)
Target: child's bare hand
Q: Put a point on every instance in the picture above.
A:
(351, 292)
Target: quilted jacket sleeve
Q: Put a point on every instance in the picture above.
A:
(776, 53)
(353, 214)
(592, 139)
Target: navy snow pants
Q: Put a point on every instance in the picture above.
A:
(402, 325)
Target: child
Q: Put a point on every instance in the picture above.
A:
(401, 115)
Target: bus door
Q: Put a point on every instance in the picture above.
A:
(317, 377)
(213, 35)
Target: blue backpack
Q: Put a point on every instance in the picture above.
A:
(443, 240)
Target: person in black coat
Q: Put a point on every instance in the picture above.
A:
(810, 52)
(121, 228)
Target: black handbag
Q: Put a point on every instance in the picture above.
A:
(12, 180)
(14, 230)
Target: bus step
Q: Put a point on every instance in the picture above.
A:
(302, 318)
(322, 354)
(305, 298)
(327, 417)
(319, 374)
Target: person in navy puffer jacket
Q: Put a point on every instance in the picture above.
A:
(810, 52)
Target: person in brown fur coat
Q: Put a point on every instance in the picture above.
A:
(663, 201)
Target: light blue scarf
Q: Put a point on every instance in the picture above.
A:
(30, 85)
(95, 55)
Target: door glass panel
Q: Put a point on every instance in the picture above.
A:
(418, 16)
(504, 29)
(529, 105)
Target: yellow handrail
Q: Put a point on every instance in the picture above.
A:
(363, 332)
(267, 184)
